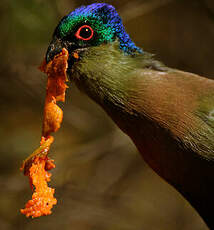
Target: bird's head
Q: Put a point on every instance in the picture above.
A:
(90, 26)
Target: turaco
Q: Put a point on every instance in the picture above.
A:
(168, 114)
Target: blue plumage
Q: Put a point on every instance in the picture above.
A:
(112, 26)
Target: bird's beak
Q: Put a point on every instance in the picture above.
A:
(54, 48)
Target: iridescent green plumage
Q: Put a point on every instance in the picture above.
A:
(69, 25)
(104, 20)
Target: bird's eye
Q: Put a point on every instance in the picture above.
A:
(85, 33)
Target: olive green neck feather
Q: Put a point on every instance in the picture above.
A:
(167, 113)
(104, 73)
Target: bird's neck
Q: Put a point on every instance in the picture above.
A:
(106, 76)
(103, 73)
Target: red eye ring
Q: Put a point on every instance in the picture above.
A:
(78, 33)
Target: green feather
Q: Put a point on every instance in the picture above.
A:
(103, 71)
(140, 87)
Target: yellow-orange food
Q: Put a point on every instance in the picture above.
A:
(42, 198)
(56, 71)
(38, 163)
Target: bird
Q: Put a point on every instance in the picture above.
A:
(167, 113)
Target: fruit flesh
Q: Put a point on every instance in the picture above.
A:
(38, 163)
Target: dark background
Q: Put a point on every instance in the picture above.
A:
(101, 181)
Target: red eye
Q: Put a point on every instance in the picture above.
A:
(84, 33)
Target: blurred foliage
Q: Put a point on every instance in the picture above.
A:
(101, 181)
